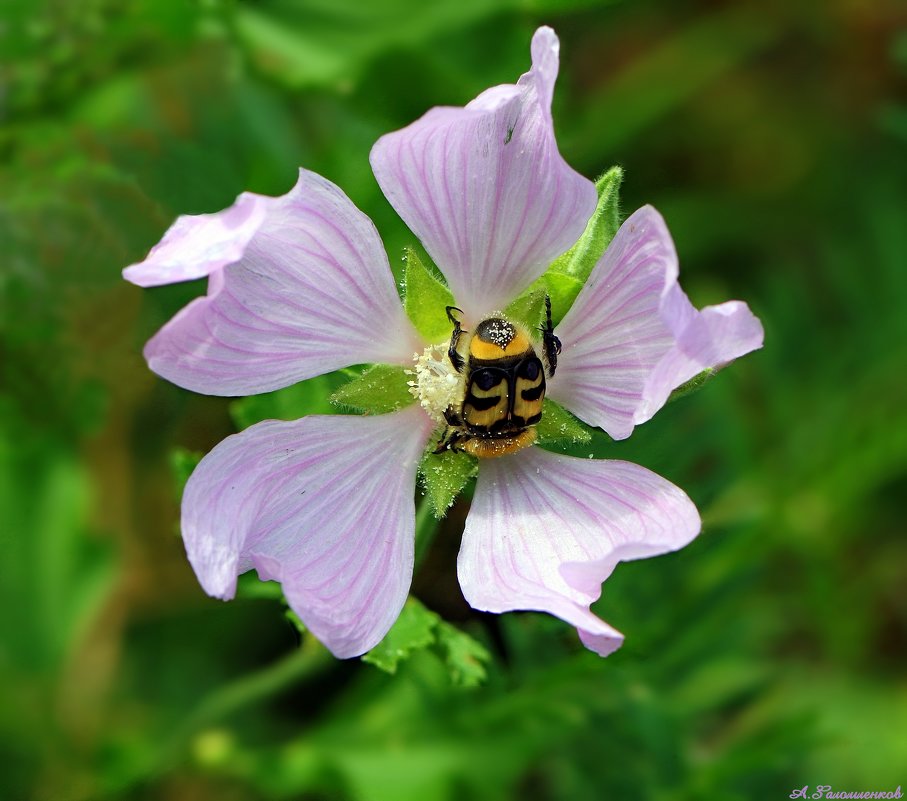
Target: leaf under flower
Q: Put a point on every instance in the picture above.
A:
(419, 628)
(413, 631)
(465, 656)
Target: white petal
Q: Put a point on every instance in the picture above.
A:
(311, 292)
(615, 334)
(632, 336)
(710, 338)
(485, 189)
(545, 530)
(323, 505)
(198, 244)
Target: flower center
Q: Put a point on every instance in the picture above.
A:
(436, 384)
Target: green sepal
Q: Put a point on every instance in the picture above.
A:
(307, 397)
(600, 230)
(465, 657)
(696, 382)
(380, 389)
(418, 628)
(559, 427)
(425, 299)
(528, 308)
(560, 287)
(413, 631)
(568, 273)
(443, 476)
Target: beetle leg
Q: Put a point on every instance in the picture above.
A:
(448, 441)
(452, 353)
(549, 340)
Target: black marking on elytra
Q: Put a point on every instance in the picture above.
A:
(532, 394)
(529, 369)
(488, 378)
(534, 419)
(483, 404)
(505, 425)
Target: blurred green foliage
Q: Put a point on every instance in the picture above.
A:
(768, 655)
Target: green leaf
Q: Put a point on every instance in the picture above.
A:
(380, 389)
(307, 397)
(584, 255)
(426, 299)
(418, 628)
(443, 476)
(414, 630)
(559, 427)
(696, 382)
(465, 657)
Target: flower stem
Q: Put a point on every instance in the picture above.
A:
(305, 662)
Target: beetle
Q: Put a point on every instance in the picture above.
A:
(504, 383)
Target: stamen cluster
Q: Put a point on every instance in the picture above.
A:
(436, 384)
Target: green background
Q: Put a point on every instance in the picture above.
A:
(768, 655)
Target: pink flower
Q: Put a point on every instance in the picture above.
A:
(299, 285)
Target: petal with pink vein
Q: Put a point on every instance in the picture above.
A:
(546, 529)
(707, 338)
(485, 188)
(323, 505)
(309, 292)
(632, 336)
(615, 334)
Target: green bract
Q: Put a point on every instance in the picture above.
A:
(584, 255)
(693, 384)
(380, 389)
(567, 274)
(559, 427)
(443, 476)
(426, 299)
